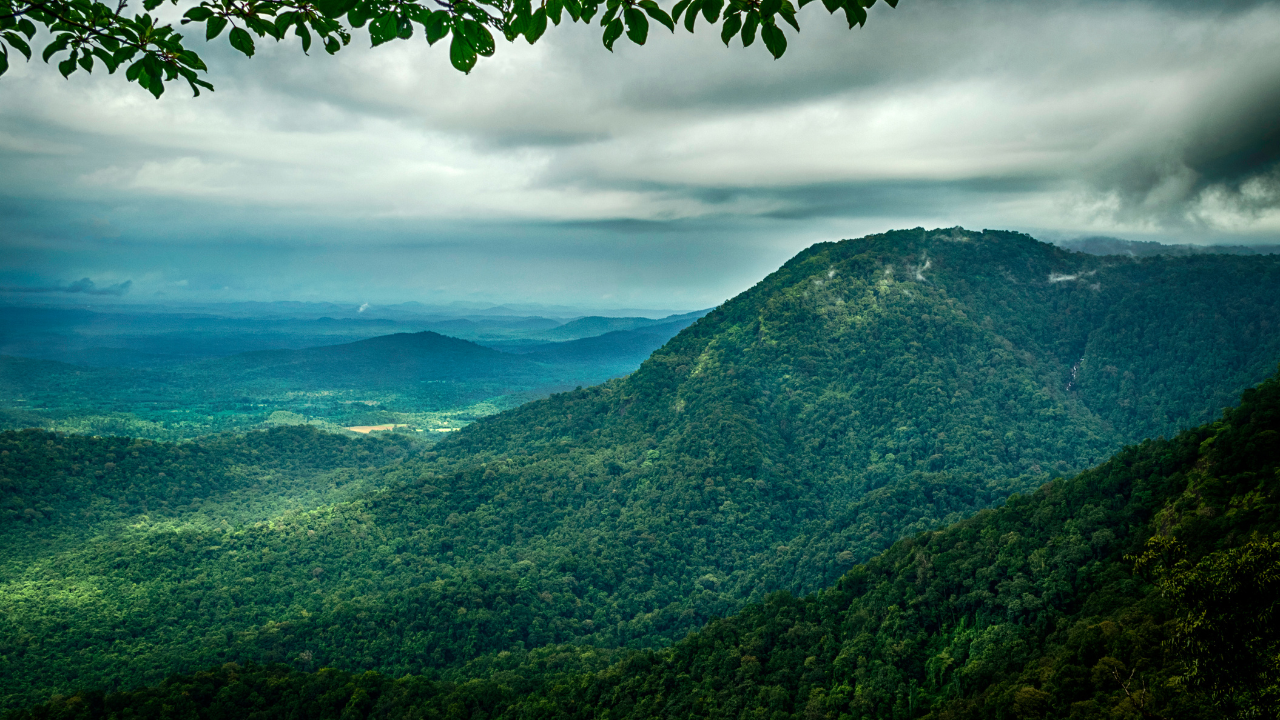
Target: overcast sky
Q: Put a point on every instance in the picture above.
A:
(674, 175)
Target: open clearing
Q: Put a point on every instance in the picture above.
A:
(366, 429)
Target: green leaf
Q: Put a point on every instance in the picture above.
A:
(854, 13)
(770, 7)
(732, 24)
(133, 72)
(637, 25)
(610, 14)
(360, 14)
(679, 9)
(832, 5)
(58, 45)
(68, 66)
(469, 30)
(242, 41)
(437, 27)
(262, 27)
(152, 4)
(331, 45)
(711, 9)
(214, 27)
(461, 54)
(417, 13)
(404, 28)
(657, 13)
(612, 32)
(575, 9)
(774, 40)
(516, 27)
(26, 27)
(892, 3)
(537, 26)
(86, 62)
(691, 15)
(302, 32)
(480, 38)
(334, 8)
(790, 17)
(383, 29)
(554, 9)
(107, 59)
(283, 21)
(18, 43)
(4, 60)
(749, 27)
(198, 14)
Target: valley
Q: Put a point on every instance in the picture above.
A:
(165, 383)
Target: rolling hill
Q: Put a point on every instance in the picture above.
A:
(394, 378)
(385, 361)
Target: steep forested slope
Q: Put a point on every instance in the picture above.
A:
(866, 391)
(1069, 602)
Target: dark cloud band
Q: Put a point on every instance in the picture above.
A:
(83, 286)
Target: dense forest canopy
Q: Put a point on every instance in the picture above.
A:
(1063, 603)
(867, 391)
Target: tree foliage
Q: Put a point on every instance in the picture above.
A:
(85, 33)
(1032, 610)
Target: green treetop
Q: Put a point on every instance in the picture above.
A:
(88, 32)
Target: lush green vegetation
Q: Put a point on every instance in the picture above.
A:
(867, 391)
(1038, 609)
(425, 380)
(67, 482)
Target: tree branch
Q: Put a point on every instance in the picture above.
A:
(1139, 704)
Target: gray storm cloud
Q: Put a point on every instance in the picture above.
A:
(676, 161)
(83, 286)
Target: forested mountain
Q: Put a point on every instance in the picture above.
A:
(154, 336)
(868, 390)
(1103, 245)
(385, 361)
(594, 325)
(1144, 588)
(616, 347)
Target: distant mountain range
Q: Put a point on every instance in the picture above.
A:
(394, 377)
(148, 338)
(1104, 245)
